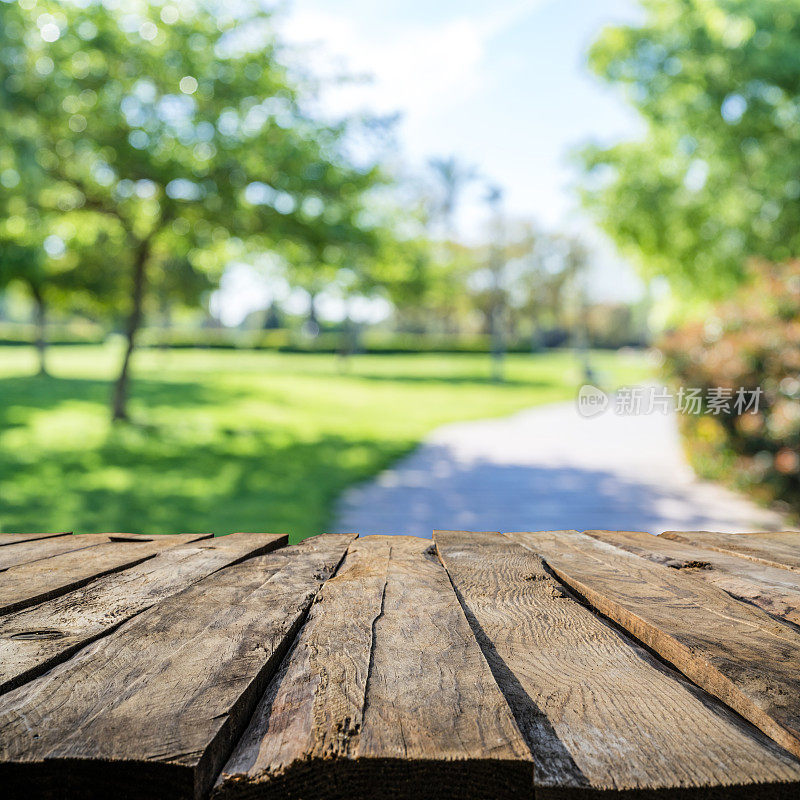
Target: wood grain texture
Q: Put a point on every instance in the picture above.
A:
(35, 639)
(386, 694)
(775, 590)
(16, 538)
(733, 650)
(780, 550)
(599, 712)
(164, 697)
(12, 555)
(28, 552)
(36, 581)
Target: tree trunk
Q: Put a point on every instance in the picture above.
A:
(347, 340)
(272, 319)
(498, 346)
(496, 326)
(41, 328)
(536, 334)
(312, 327)
(166, 324)
(119, 401)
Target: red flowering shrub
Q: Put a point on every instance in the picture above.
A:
(751, 341)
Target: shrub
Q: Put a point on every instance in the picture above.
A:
(751, 341)
(294, 341)
(23, 334)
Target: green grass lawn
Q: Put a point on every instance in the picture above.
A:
(228, 441)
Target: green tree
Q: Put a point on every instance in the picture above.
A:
(26, 263)
(53, 255)
(542, 280)
(29, 251)
(716, 177)
(182, 126)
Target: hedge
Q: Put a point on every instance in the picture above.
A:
(752, 342)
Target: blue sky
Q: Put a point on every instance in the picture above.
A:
(502, 84)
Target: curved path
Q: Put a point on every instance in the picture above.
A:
(547, 468)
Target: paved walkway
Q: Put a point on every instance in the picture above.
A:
(548, 468)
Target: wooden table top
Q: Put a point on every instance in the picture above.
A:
(477, 665)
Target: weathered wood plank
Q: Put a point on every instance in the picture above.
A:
(773, 589)
(152, 710)
(28, 552)
(773, 549)
(34, 640)
(16, 538)
(37, 581)
(733, 650)
(12, 555)
(598, 711)
(386, 694)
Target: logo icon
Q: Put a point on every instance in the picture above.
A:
(591, 401)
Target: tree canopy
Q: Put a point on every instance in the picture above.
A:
(715, 179)
(158, 141)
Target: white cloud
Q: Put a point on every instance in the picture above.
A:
(416, 69)
(494, 84)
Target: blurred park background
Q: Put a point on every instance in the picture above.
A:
(252, 253)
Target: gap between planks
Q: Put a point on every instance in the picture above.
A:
(35, 639)
(35, 581)
(599, 712)
(775, 590)
(733, 650)
(353, 734)
(156, 705)
(385, 693)
(780, 549)
(16, 538)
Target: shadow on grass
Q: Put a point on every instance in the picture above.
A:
(142, 478)
(46, 392)
(167, 487)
